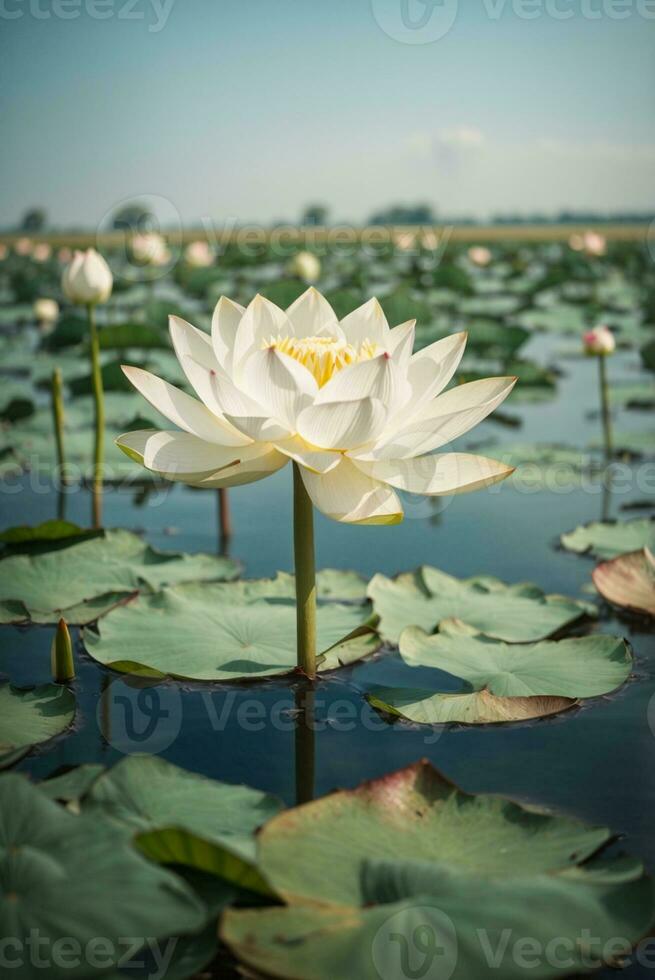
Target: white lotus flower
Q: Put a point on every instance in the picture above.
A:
(88, 279)
(199, 254)
(479, 255)
(348, 402)
(149, 248)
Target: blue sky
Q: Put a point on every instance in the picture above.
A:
(245, 110)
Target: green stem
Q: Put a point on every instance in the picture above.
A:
(605, 406)
(224, 522)
(305, 745)
(58, 420)
(303, 546)
(99, 404)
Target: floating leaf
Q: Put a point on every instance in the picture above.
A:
(517, 613)
(426, 707)
(224, 633)
(24, 535)
(430, 920)
(83, 580)
(120, 336)
(628, 581)
(545, 465)
(183, 818)
(316, 852)
(504, 683)
(71, 785)
(32, 716)
(581, 667)
(607, 539)
(79, 877)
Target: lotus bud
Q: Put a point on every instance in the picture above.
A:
(306, 266)
(88, 279)
(598, 342)
(46, 311)
(23, 246)
(42, 252)
(479, 255)
(404, 240)
(199, 254)
(61, 655)
(64, 255)
(149, 249)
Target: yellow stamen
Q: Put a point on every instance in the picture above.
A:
(323, 356)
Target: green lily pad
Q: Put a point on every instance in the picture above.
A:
(489, 337)
(315, 852)
(545, 465)
(32, 716)
(82, 580)
(563, 318)
(607, 539)
(410, 863)
(217, 632)
(633, 394)
(24, 535)
(578, 667)
(76, 878)
(504, 683)
(71, 785)
(183, 818)
(519, 613)
(122, 336)
(428, 920)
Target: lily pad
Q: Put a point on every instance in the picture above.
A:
(547, 465)
(607, 539)
(74, 878)
(429, 920)
(183, 818)
(32, 716)
(504, 682)
(315, 852)
(82, 580)
(424, 707)
(579, 667)
(24, 535)
(71, 785)
(216, 632)
(628, 581)
(519, 613)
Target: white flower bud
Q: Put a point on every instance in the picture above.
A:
(46, 310)
(88, 279)
(306, 266)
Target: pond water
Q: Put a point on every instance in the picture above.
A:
(596, 762)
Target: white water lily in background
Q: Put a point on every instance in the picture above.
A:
(199, 254)
(87, 280)
(347, 401)
(306, 266)
(149, 248)
(23, 246)
(479, 255)
(590, 242)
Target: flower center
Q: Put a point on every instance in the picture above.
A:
(323, 356)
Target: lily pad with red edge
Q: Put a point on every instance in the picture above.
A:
(628, 581)
(364, 871)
